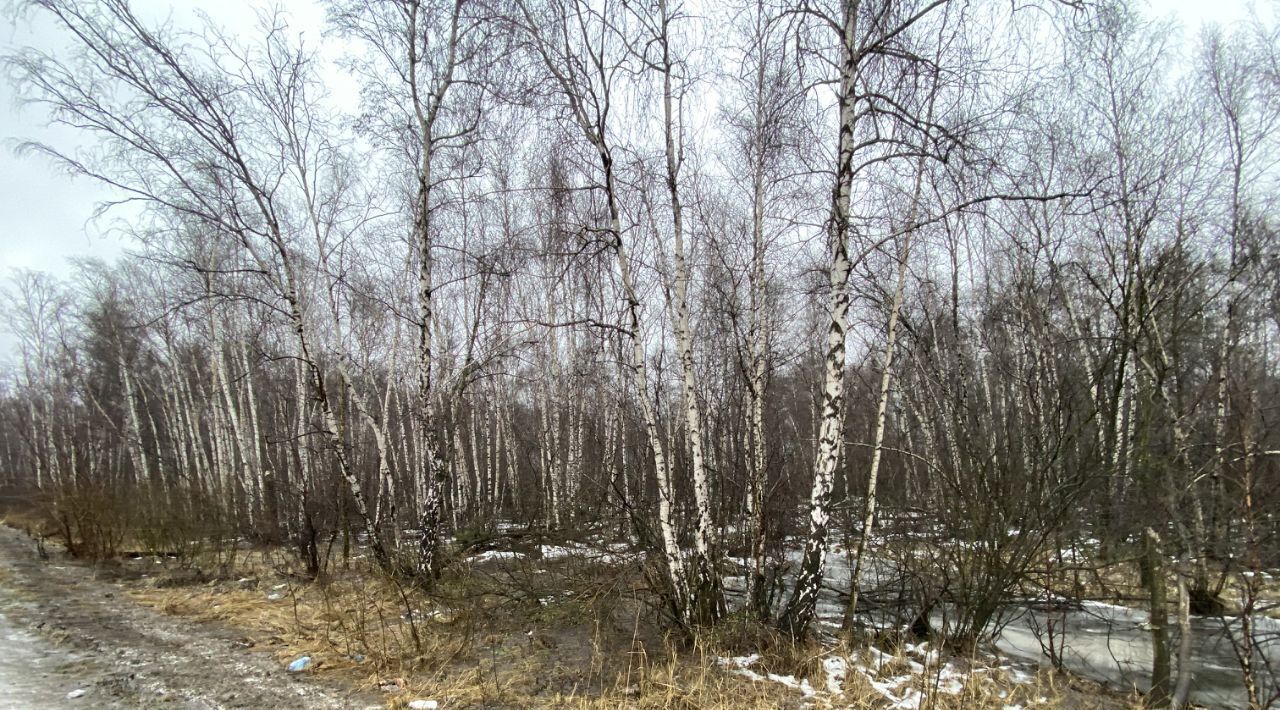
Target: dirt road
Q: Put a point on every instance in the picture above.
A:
(70, 639)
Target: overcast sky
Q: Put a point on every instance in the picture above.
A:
(46, 217)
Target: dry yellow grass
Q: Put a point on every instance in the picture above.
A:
(453, 663)
(469, 648)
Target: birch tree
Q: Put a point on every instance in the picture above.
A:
(423, 72)
(174, 138)
(660, 55)
(576, 46)
(868, 34)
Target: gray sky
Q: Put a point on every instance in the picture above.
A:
(46, 217)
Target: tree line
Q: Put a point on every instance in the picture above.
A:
(727, 281)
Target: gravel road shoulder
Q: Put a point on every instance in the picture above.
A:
(72, 639)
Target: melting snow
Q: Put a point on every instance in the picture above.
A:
(738, 665)
(896, 690)
(496, 555)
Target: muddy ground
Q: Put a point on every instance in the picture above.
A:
(69, 638)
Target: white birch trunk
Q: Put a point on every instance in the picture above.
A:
(138, 455)
(239, 457)
(882, 408)
(706, 602)
(257, 458)
(800, 607)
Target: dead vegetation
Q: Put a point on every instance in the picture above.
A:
(565, 629)
(528, 619)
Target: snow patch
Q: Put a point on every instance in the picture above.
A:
(738, 665)
(496, 555)
(837, 669)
